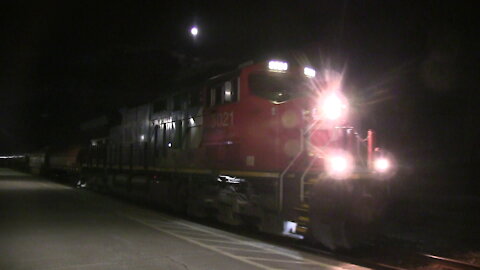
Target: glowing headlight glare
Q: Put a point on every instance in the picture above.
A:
(381, 165)
(333, 107)
(277, 65)
(309, 72)
(339, 166)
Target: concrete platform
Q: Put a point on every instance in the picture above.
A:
(47, 226)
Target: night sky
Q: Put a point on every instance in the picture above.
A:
(410, 66)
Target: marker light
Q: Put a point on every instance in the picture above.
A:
(277, 65)
(339, 166)
(309, 72)
(333, 107)
(381, 165)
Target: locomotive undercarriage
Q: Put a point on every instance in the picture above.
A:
(337, 214)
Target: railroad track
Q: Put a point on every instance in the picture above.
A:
(399, 260)
(448, 263)
(391, 258)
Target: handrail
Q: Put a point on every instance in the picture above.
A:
(282, 175)
(302, 181)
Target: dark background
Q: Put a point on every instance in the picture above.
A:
(411, 66)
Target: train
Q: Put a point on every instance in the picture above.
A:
(267, 144)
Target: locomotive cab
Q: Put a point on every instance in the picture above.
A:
(327, 182)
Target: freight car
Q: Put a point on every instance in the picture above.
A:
(266, 144)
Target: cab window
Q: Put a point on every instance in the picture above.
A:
(222, 93)
(277, 87)
(230, 91)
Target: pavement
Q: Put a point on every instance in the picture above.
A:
(49, 226)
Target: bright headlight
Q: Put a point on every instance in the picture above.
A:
(339, 166)
(382, 165)
(333, 107)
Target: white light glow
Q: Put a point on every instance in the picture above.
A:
(142, 137)
(192, 121)
(230, 179)
(339, 166)
(228, 95)
(333, 108)
(194, 31)
(10, 157)
(309, 72)
(169, 144)
(381, 165)
(277, 65)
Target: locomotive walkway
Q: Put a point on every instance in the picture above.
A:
(46, 226)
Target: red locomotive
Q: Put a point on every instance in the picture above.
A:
(265, 144)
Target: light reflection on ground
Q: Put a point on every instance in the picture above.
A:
(13, 180)
(46, 225)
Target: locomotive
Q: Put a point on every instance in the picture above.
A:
(267, 144)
